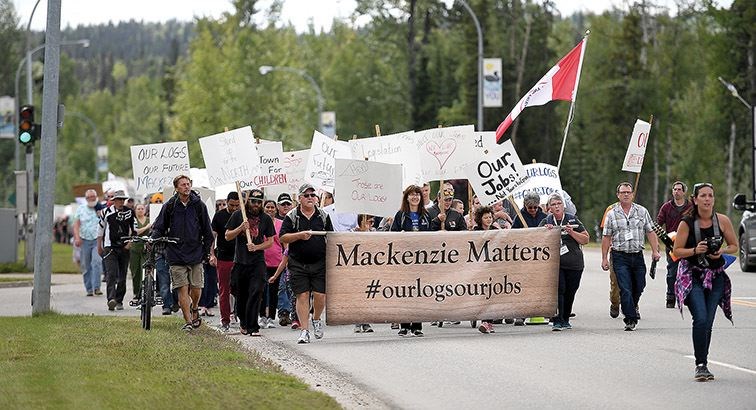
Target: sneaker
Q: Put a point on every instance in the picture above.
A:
(703, 374)
(556, 327)
(417, 333)
(175, 308)
(614, 311)
(357, 328)
(225, 328)
(637, 313)
(486, 327)
(119, 306)
(629, 327)
(538, 320)
(284, 319)
(304, 337)
(519, 322)
(508, 321)
(395, 326)
(670, 303)
(295, 324)
(270, 324)
(262, 322)
(255, 333)
(403, 332)
(366, 328)
(112, 304)
(98, 292)
(166, 311)
(90, 293)
(317, 328)
(434, 323)
(566, 326)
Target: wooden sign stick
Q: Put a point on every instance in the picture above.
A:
(637, 176)
(243, 210)
(377, 130)
(441, 202)
(517, 211)
(470, 198)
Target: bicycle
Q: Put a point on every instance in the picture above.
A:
(148, 298)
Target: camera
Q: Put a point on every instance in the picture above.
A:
(713, 244)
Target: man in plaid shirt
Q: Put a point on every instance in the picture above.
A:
(624, 229)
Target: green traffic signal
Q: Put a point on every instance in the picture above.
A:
(25, 137)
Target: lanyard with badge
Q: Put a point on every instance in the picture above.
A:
(562, 247)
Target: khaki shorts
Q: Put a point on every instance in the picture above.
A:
(183, 275)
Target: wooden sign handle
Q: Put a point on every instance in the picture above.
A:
(441, 202)
(243, 210)
(517, 211)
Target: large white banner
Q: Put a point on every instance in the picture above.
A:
(636, 149)
(398, 149)
(492, 82)
(231, 156)
(367, 187)
(497, 173)
(321, 164)
(155, 165)
(543, 179)
(294, 165)
(443, 152)
(272, 172)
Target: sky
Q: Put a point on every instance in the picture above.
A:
(299, 12)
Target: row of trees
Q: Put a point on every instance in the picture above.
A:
(413, 66)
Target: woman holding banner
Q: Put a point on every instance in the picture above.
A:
(571, 264)
(484, 221)
(412, 217)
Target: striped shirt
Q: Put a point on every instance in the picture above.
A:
(618, 225)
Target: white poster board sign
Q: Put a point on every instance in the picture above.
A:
(155, 165)
(543, 179)
(294, 164)
(497, 173)
(320, 171)
(155, 211)
(636, 149)
(367, 187)
(398, 149)
(231, 156)
(272, 172)
(442, 151)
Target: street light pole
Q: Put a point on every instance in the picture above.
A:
(734, 91)
(480, 62)
(265, 69)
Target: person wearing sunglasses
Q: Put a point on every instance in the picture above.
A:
(449, 218)
(306, 259)
(533, 215)
(624, 228)
(702, 283)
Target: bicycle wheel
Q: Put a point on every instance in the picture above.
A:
(148, 298)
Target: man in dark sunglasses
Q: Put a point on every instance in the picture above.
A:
(300, 229)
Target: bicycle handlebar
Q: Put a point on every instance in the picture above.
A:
(150, 240)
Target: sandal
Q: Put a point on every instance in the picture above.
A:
(187, 327)
(196, 322)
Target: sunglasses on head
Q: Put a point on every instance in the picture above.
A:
(700, 185)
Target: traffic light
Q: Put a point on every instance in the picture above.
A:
(26, 126)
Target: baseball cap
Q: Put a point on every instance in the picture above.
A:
(256, 194)
(304, 188)
(156, 198)
(284, 198)
(120, 194)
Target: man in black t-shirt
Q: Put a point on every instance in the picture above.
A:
(283, 205)
(249, 269)
(224, 257)
(117, 222)
(307, 258)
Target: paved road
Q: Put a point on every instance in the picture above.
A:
(596, 364)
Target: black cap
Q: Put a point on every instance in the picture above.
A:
(256, 194)
(284, 198)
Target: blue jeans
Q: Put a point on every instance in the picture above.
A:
(703, 307)
(91, 265)
(284, 299)
(630, 269)
(164, 282)
(210, 291)
(671, 277)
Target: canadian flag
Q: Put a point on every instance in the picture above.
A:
(560, 83)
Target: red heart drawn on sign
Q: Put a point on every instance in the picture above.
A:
(442, 152)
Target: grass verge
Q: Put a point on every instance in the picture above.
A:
(62, 260)
(87, 362)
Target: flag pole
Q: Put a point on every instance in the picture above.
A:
(574, 98)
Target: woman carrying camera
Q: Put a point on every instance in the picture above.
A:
(702, 283)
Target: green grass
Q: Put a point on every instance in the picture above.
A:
(62, 260)
(88, 362)
(13, 267)
(16, 279)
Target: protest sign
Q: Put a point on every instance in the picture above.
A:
(636, 149)
(231, 156)
(392, 149)
(155, 165)
(442, 152)
(543, 179)
(155, 211)
(367, 187)
(396, 277)
(272, 172)
(497, 173)
(321, 163)
(294, 165)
